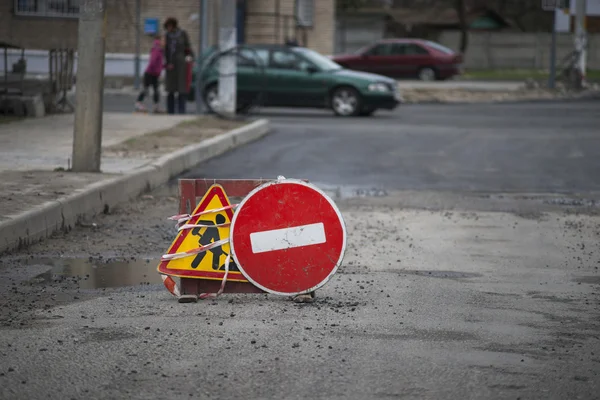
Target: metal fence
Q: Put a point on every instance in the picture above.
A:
(47, 8)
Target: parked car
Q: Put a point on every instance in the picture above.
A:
(405, 58)
(290, 76)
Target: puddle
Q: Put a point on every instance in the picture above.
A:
(591, 280)
(98, 274)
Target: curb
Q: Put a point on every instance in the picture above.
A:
(63, 214)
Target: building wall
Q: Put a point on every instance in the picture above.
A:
(522, 50)
(322, 37)
(354, 32)
(48, 33)
(269, 29)
(36, 33)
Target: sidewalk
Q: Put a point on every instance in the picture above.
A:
(47, 143)
(39, 195)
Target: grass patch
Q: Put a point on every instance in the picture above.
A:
(6, 119)
(518, 74)
(183, 134)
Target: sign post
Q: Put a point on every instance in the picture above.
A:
(556, 6)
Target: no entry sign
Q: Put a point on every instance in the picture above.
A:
(288, 237)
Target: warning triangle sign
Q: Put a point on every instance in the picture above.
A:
(211, 227)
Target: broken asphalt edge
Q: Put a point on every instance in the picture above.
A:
(63, 214)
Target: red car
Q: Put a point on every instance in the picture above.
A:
(405, 58)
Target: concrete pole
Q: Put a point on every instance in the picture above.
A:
(552, 76)
(87, 137)
(227, 64)
(202, 45)
(138, 23)
(580, 42)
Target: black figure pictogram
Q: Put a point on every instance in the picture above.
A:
(209, 236)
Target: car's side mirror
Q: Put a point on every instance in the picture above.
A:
(311, 69)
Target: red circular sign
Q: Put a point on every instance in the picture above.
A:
(288, 237)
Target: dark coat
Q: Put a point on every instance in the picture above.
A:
(177, 47)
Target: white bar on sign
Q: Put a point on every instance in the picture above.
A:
(288, 238)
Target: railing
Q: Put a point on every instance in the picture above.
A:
(47, 8)
(273, 27)
(60, 66)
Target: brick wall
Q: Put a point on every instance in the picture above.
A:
(266, 29)
(121, 22)
(322, 36)
(36, 33)
(47, 33)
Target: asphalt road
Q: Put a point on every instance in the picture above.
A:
(546, 147)
(491, 292)
(527, 148)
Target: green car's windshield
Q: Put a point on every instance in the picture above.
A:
(320, 61)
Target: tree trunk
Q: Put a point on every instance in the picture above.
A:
(464, 28)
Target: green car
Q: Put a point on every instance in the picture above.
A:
(288, 76)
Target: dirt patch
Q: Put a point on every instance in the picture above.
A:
(161, 142)
(475, 96)
(5, 119)
(23, 190)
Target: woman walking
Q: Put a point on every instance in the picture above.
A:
(178, 53)
(151, 76)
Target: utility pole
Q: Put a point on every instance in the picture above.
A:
(87, 136)
(202, 45)
(552, 76)
(580, 43)
(227, 63)
(138, 18)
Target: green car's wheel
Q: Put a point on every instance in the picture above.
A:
(345, 101)
(211, 99)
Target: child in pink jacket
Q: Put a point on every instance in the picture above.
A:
(151, 75)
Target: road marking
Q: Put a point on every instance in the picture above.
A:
(287, 238)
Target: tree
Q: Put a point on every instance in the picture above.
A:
(461, 10)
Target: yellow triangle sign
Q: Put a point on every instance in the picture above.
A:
(209, 264)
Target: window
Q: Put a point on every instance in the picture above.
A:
(250, 57)
(380, 50)
(399, 49)
(47, 8)
(284, 60)
(315, 59)
(305, 12)
(410, 49)
(439, 47)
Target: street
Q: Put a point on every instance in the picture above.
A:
(472, 271)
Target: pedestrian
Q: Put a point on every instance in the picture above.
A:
(178, 53)
(152, 75)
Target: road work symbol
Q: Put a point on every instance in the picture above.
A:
(207, 228)
(207, 236)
